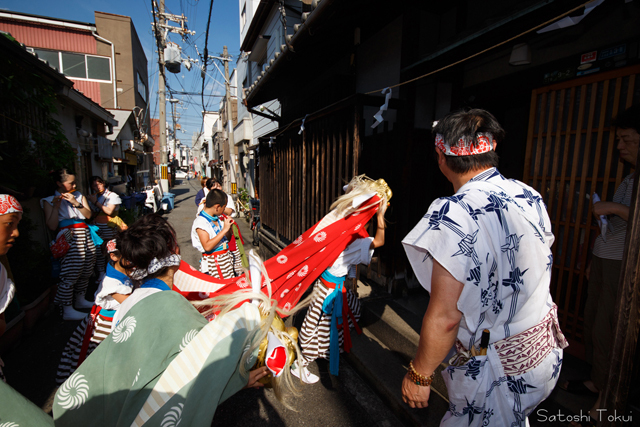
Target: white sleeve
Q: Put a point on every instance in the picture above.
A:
(230, 203)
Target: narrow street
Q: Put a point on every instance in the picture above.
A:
(345, 400)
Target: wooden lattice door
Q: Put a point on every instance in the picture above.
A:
(571, 154)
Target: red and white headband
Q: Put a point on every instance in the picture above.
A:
(464, 147)
(9, 204)
(111, 246)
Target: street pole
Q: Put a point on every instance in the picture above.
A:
(164, 176)
(229, 111)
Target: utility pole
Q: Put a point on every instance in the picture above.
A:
(229, 111)
(164, 176)
(161, 30)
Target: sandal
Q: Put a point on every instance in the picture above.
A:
(577, 387)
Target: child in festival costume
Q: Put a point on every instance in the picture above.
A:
(104, 205)
(164, 363)
(334, 307)
(150, 256)
(209, 234)
(67, 211)
(114, 288)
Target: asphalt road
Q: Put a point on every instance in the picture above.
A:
(345, 400)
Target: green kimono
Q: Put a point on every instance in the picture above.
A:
(16, 410)
(163, 364)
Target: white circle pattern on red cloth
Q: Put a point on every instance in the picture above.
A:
(287, 306)
(242, 283)
(290, 275)
(320, 236)
(357, 227)
(303, 271)
(283, 293)
(298, 240)
(282, 259)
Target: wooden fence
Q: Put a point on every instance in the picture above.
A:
(301, 174)
(571, 154)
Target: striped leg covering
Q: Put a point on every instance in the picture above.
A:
(220, 266)
(106, 233)
(76, 267)
(237, 262)
(315, 331)
(69, 360)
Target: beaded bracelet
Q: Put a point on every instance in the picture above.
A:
(420, 379)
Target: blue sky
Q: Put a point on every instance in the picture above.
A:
(223, 30)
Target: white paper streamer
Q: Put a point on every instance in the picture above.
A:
(302, 125)
(383, 108)
(602, 221)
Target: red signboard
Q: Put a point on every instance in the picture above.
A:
(588, 57)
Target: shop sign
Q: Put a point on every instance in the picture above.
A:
(613, 51)
(589, 57)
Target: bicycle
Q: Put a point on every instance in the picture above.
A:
(255, 220)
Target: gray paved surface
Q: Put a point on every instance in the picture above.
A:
(345, 400)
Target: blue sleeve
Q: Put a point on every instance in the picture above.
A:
(199, 196)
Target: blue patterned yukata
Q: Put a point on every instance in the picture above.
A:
(494, 236)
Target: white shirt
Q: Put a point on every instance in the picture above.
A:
(358, 252)
(109, 286)
(107, 198)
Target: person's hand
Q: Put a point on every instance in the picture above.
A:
(228, 222)
(69, 198)
(255, 375)
(382, 209)
(414, 395)
(604, 208)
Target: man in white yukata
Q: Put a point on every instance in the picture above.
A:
(484, 255)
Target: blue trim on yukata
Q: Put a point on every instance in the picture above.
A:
(156, 283)
(107, 313)
(118, 275)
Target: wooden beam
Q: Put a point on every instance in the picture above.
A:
(627, 319)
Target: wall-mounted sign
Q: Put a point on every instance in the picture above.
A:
(613, 51)
(588, 57)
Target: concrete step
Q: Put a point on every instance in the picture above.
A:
(382, 353)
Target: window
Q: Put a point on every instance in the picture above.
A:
(98, 68)
(243, 17)
(73, 65)
(142, 88)
(78, 65)
(49, 56)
